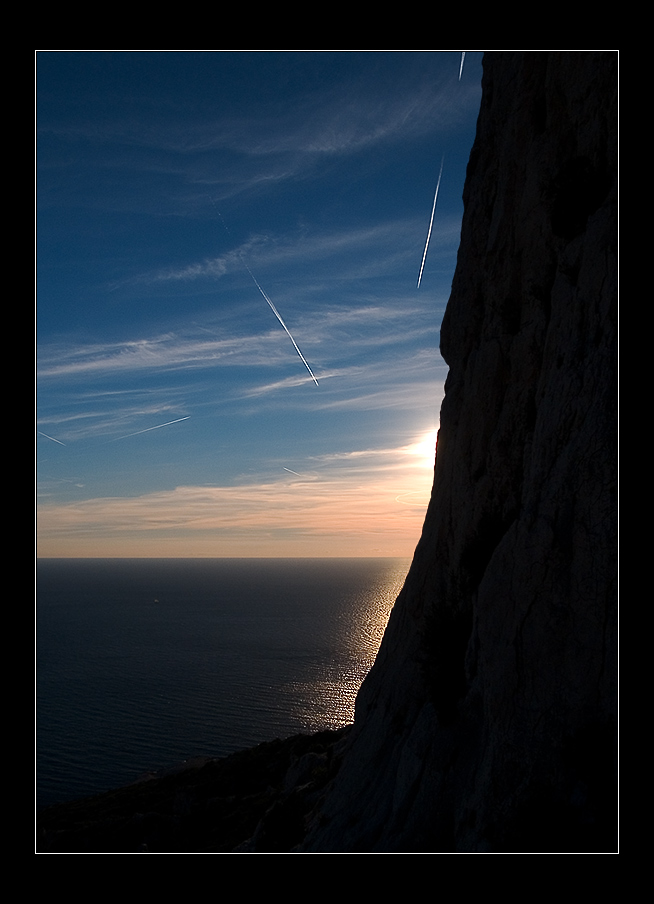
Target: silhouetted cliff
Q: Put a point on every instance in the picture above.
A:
(488, 722)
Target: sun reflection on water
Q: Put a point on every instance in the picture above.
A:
(328, 700)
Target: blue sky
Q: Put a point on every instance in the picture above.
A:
(175, 190)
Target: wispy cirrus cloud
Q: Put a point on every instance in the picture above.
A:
(337, 331)
(351, 119)
(248, 148)
(393, 383)
(339, 118)
(98, 421)
(169, 351)
(370, 249)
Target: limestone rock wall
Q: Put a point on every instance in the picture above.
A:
(488, 720)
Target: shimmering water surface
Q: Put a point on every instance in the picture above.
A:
(142, 663)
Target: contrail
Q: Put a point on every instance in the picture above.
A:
(52, 438)
(272, 306)
(463, 56)
(156, 427)
(292, 472)
(278, 316)
(431, 223)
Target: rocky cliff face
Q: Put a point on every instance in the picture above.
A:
(488, 720)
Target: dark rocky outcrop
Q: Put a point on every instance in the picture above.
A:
(255, 799)
(488, 722)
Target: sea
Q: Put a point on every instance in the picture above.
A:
(142, 664)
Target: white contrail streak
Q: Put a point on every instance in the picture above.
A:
(52, 438)
(272, 306)
(278, 316)
(292, 472)
(431, 223)
(463, 56)
(156, 427)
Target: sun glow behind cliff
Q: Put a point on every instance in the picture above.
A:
(425, 449)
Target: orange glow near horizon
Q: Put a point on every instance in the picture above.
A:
(360, 503)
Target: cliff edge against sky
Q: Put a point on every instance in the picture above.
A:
(488, 722)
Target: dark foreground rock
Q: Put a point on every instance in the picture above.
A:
(257, 799)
